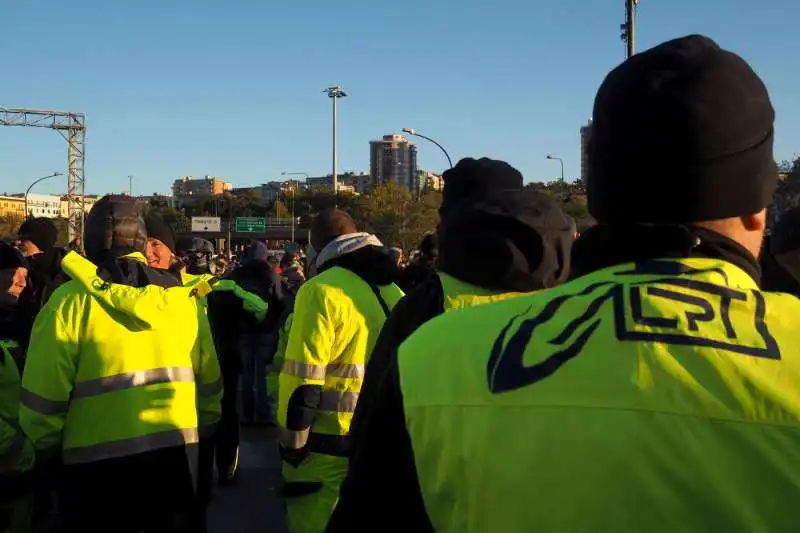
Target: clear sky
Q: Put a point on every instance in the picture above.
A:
(234, 88)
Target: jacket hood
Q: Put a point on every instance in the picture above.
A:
(114, 228)
(508, 241)
(361, 253)
(135, 294)
(345, 244)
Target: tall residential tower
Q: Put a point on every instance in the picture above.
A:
(393, 158)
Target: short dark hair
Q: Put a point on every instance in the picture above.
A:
(328, 225)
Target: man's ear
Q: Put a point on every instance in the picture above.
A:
(756, 221)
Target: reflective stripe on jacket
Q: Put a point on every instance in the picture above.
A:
(659, 396)
(114, 370)
(16, 451)
(336, 322)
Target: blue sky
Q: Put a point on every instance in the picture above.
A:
(234, 89)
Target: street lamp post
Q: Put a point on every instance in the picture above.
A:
(293, 193)
(53, 175)
(411, 131)
(551, 156)
(335, 93)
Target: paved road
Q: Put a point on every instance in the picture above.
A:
(253, 505)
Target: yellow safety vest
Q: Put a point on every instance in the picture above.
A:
(16, 451)
(662, 396)
(114, 370)
(460, 294)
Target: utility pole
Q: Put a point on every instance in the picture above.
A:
(335, 93)
(629, 27)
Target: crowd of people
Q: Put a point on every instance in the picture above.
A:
(510, 375)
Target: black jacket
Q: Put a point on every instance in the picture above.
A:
(44, 277)
(230, 321)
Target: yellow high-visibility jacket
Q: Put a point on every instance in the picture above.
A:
(16, 451)
(114, 370)
(336, 322)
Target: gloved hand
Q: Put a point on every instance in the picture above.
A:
(252, 303)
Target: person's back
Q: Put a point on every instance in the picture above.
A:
(659, 391)
(337, 316)
(120, 381)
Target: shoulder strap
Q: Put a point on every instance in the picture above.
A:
(377, 292)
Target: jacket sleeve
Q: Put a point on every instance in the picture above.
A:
(209, 378)
(49, 374)
(16, 451)
(381, 486)
(277, 305)
(302, 373)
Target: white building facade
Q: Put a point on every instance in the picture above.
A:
(44, 205)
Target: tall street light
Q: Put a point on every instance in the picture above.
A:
(412, 131)
(551, 156)
(293, 193)
(334, 93)
(53, 175)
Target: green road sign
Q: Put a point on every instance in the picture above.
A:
(251, 225)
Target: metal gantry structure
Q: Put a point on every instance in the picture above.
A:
(72, 127)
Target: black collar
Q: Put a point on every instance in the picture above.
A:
(608, 245)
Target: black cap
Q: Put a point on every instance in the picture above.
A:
(114, 227)
(158, 228)
(40, 231)
(11, 257)
(681, 133)
(522, 238)
(429, 247)
(193, 245)
(474, 178)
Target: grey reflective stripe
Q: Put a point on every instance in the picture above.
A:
(210, 389)
(11, 453)
(318, 372)
(303, 370)
(338, 401)
(42, 405)
(346, 370)
(132, 446)
(129, 380)
(294, 440)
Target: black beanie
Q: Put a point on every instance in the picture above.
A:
(158, 228)
(681, 133)
(11, 258)
(114, 228)
(474, 178)
(40, 231)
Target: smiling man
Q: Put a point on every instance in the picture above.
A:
(160, 249)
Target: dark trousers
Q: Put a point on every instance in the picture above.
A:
(152, 492)
(224, 445)
(227, 437)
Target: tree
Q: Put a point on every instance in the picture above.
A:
(392, 213)
(281, 211)
(787, 193)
